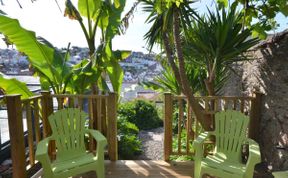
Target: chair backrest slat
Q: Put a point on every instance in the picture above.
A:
(68, 129)
(230, 131)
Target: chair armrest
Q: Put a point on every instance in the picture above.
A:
(254, 154)
(101, 143)
(42, 151)
(279, 174)
(100, 139)
(198, 144)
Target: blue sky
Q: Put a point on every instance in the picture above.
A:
(44, 17)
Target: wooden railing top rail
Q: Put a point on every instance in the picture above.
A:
(216, 97)
(79, 96)
(32, 98)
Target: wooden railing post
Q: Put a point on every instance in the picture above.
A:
(168, 112)
(112, 127)
(47, 109)
(15, 123)
(255, 116)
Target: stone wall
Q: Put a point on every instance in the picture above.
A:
(268, 73)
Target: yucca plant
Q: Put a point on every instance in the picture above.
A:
(217, 40)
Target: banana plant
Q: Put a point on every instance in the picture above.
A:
(104, 16)
(48, 62)
(51, 65)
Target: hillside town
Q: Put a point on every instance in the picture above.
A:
(137, 67)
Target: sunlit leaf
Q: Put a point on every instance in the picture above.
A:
(223, 3)
(89, 8)
(116, 75)
(117, 3)
(13, 86)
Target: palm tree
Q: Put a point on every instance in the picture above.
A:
(169, 18)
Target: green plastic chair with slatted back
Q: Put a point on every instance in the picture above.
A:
(226, 162)
(72, 158)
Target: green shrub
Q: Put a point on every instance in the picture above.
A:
(142, 113)
(129, 144)
(126, 127)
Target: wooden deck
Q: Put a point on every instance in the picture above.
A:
(144, 168)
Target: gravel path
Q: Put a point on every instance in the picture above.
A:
(152, 144)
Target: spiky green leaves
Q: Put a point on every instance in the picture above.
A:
(218, 40)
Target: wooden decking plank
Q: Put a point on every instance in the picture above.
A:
(143, 168)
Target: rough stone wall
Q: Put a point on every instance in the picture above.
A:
(268, 73)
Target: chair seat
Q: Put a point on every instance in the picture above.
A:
(220, 164)
(76, 161)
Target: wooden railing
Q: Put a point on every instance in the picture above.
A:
(185, 120)
(36, 110)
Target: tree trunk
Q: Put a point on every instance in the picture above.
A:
(197, 108)
(169, 54)
(210, 87)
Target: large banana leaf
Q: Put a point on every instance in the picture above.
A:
(47, 61)
(115, 12)
(13, 86)
(114, 70)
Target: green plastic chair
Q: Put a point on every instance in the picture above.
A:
(280, 174)
(68, 130)
(226, 162)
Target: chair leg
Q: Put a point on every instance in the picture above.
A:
(100, 171)
(197, 169)
(47, 174)
(196, 174)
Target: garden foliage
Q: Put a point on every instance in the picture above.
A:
(142, 113)
(129, 144)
